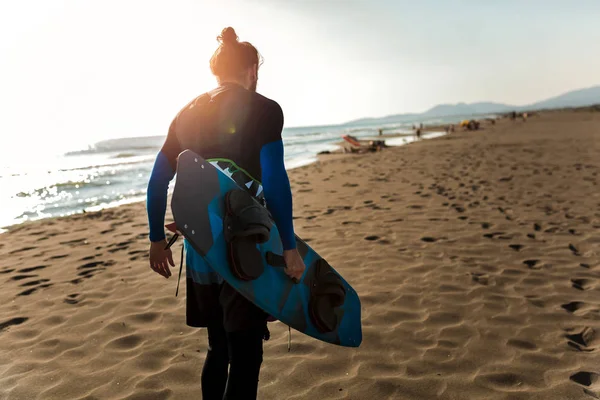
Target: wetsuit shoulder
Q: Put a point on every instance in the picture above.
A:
(271, 118)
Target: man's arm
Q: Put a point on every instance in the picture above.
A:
(156, 203)
(156, 196)
(163, 172)
(277, 191)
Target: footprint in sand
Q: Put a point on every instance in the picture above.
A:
(516, 247)
(371, 238)
(492, 235)
(481, 278)
(20, 277)
(522, 344)
(590, 380)
(21, 250)
(532, 264)
(574, 250)
(34, 283)
(119, 247)
(72, 298)
(535, 301)
(35, 289)
(7, 271)
(585, 340)
(582, 283)
(11, 322)
(31, 269)
(90, 265)
(573, 306)
(75, 242)
(90, 269)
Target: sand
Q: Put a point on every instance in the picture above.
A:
(476, 256)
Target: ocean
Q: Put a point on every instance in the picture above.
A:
(116, 171)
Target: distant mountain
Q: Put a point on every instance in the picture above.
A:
(575, 98)
(466, 109)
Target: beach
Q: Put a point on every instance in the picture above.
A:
(476, 256)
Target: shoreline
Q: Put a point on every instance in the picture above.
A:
(319, 157)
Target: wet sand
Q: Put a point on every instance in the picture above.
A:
(476, 256)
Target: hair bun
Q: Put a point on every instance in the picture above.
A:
(227, 36)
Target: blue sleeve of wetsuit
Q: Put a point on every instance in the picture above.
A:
(277, 191)
(156, 198)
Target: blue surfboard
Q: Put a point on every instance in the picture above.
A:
(198, 207)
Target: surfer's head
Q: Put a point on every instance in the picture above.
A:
(235, 61)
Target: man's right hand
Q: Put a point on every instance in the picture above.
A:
(294, 265)
(160, 258)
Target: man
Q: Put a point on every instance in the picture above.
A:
(230, 122)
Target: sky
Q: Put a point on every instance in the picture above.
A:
(79, 71)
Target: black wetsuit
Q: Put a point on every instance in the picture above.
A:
(231, 123)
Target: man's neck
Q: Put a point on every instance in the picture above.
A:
(231, 82)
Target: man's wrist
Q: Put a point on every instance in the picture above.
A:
(158, 239)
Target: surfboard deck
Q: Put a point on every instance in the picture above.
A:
(198, 208)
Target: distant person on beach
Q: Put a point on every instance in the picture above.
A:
(234, 122)
(380, 132)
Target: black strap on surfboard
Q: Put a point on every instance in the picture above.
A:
(274, 260)
(169, 244)
(246, 223)
(180, 268)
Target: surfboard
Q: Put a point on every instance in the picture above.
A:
(198, 206)
(352, 140)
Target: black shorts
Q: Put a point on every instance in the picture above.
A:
(206, 304)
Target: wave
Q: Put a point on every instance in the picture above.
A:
(124, 145)
(62, 187)
(141, 160)
(125, 155)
